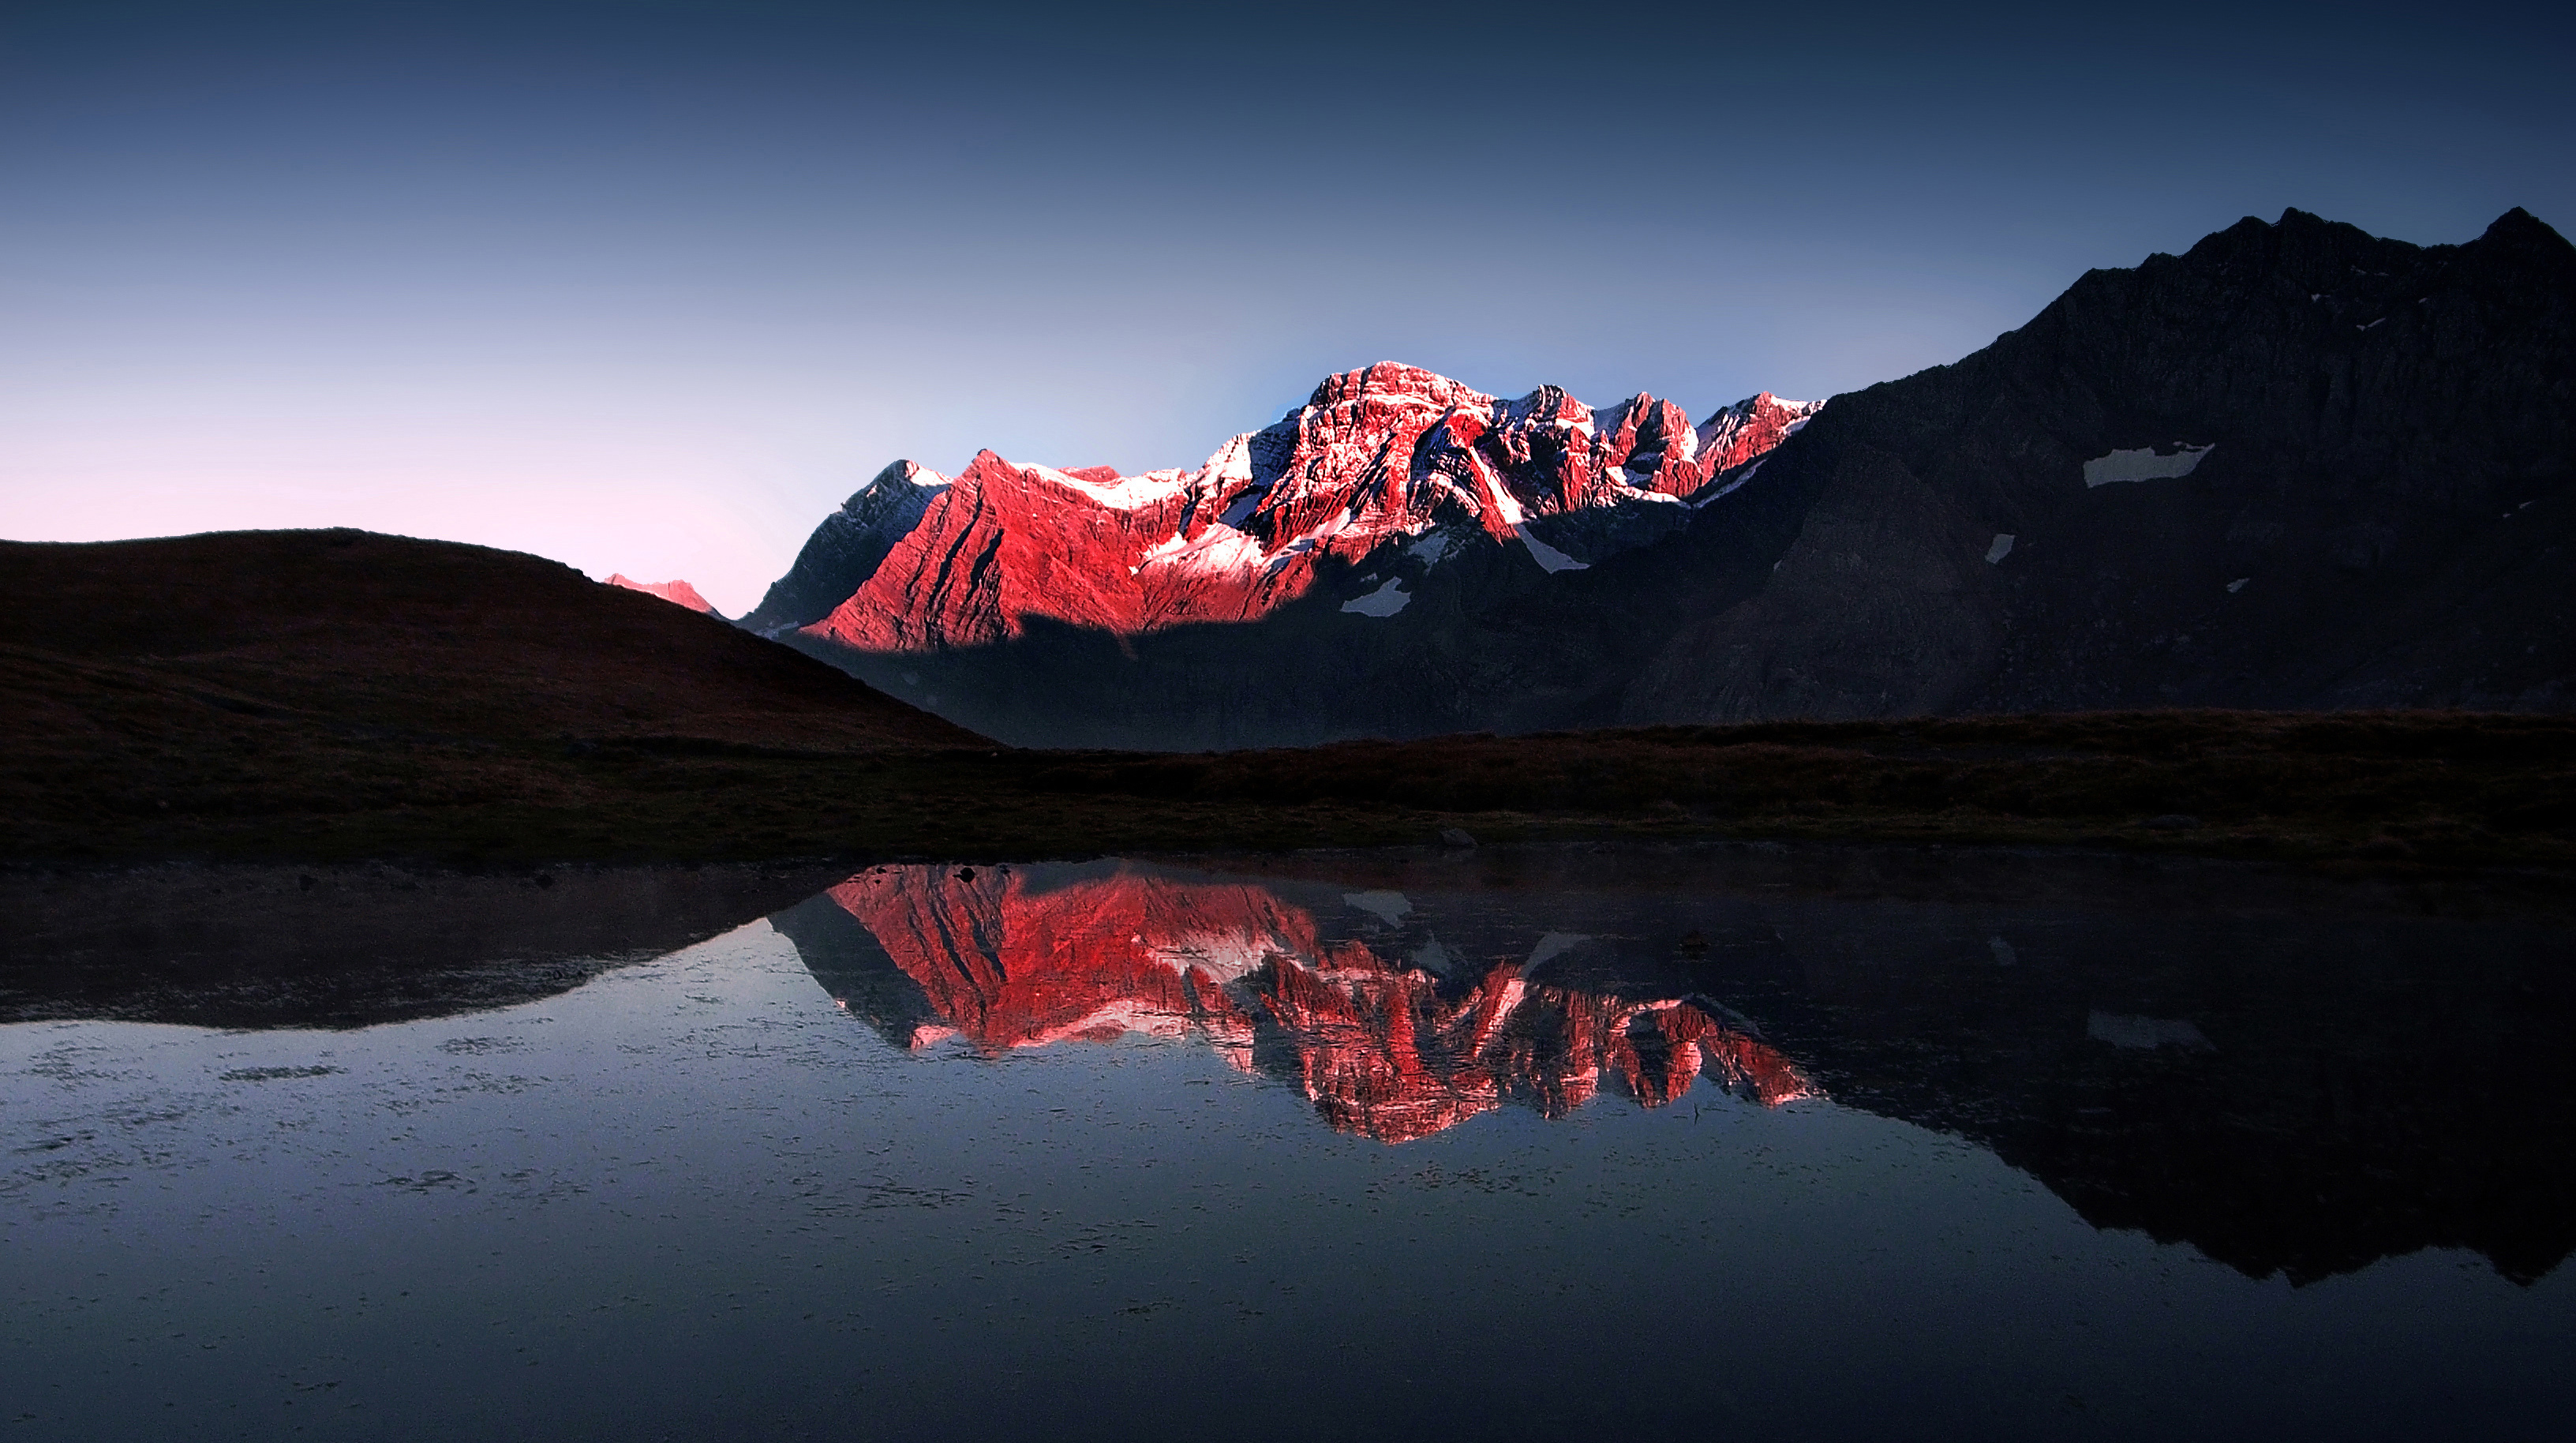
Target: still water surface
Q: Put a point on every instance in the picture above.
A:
(1358, 1146)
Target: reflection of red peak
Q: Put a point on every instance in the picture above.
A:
(1749, 429)
(678, 593)
(1383, 454)
(1010, 967)
(1379, 1050)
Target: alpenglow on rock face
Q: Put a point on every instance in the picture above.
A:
(1347, 504)
(1376, 456)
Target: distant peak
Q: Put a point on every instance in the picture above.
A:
(2520, 227)
(678, 593)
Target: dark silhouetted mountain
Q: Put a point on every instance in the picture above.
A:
(2297, 466)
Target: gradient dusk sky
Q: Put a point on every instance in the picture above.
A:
(652, 287)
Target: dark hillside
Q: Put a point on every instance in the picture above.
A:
(330, 673)
(424, 638)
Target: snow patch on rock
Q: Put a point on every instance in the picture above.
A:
(1389, 907)
(1226, 956)
(1387, 600)
(1548, 557)
(2144, 464)
(1126, 493)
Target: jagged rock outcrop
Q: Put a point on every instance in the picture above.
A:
(846, 549)
(1381, 1048)
(678, 593)
(998, 588)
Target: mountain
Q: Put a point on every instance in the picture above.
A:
(1386, 1047)
(678, 593)
(1004, 582)
(2296, 467)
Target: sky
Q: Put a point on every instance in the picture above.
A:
(653, 286)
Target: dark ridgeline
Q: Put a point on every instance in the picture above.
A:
(158, 696)
(430, 639)
(2296, 467)
(2388, 479)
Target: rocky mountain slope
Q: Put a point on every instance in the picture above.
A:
(2297, 466)
(1285, 555)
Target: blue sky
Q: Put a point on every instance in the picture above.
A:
(652, 286)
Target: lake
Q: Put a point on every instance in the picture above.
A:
(1409, 1144)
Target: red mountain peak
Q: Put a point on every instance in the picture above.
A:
(1385, 455)
(678, 593)
(1749, 429)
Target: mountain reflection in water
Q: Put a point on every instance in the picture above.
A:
(1394, 1048)
(2296, 1076)
(2099, 1147)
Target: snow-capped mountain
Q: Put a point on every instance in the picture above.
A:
(1346, 507)
(1378, 461)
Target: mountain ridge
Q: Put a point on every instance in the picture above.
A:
(916, 561)
(2367, 415)
(2271, 472)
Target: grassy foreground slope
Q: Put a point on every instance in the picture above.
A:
(333, 695)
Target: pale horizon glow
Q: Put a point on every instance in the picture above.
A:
(652, 289)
